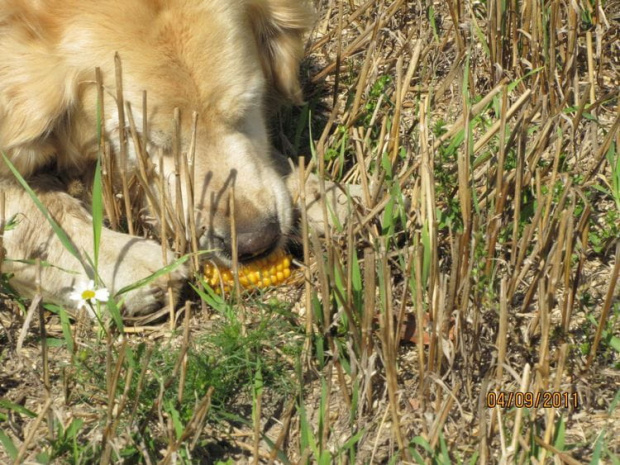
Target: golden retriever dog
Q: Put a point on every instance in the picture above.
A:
(219, 58)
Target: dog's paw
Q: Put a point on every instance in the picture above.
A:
(336, 201)
(133, 267)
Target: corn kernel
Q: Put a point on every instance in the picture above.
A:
(269, 271)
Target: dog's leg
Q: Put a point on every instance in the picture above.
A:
(123, 259)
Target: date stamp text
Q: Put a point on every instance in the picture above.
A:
(518, 399)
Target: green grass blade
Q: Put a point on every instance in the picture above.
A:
(115, 312)
(560, 435)
(65, 324)
(163, 271)
(97, 211)
(597, 453)
(7, 404)
(8, 445)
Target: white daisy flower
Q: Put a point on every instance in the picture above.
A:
(86, 296)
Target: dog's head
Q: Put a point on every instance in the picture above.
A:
(220, 59)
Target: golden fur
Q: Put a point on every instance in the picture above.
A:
(217, 58)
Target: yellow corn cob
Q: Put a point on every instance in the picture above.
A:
(269, 271)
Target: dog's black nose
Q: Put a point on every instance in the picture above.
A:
(258, 241)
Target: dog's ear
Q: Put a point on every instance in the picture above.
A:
(278, 26)
(36, 88)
